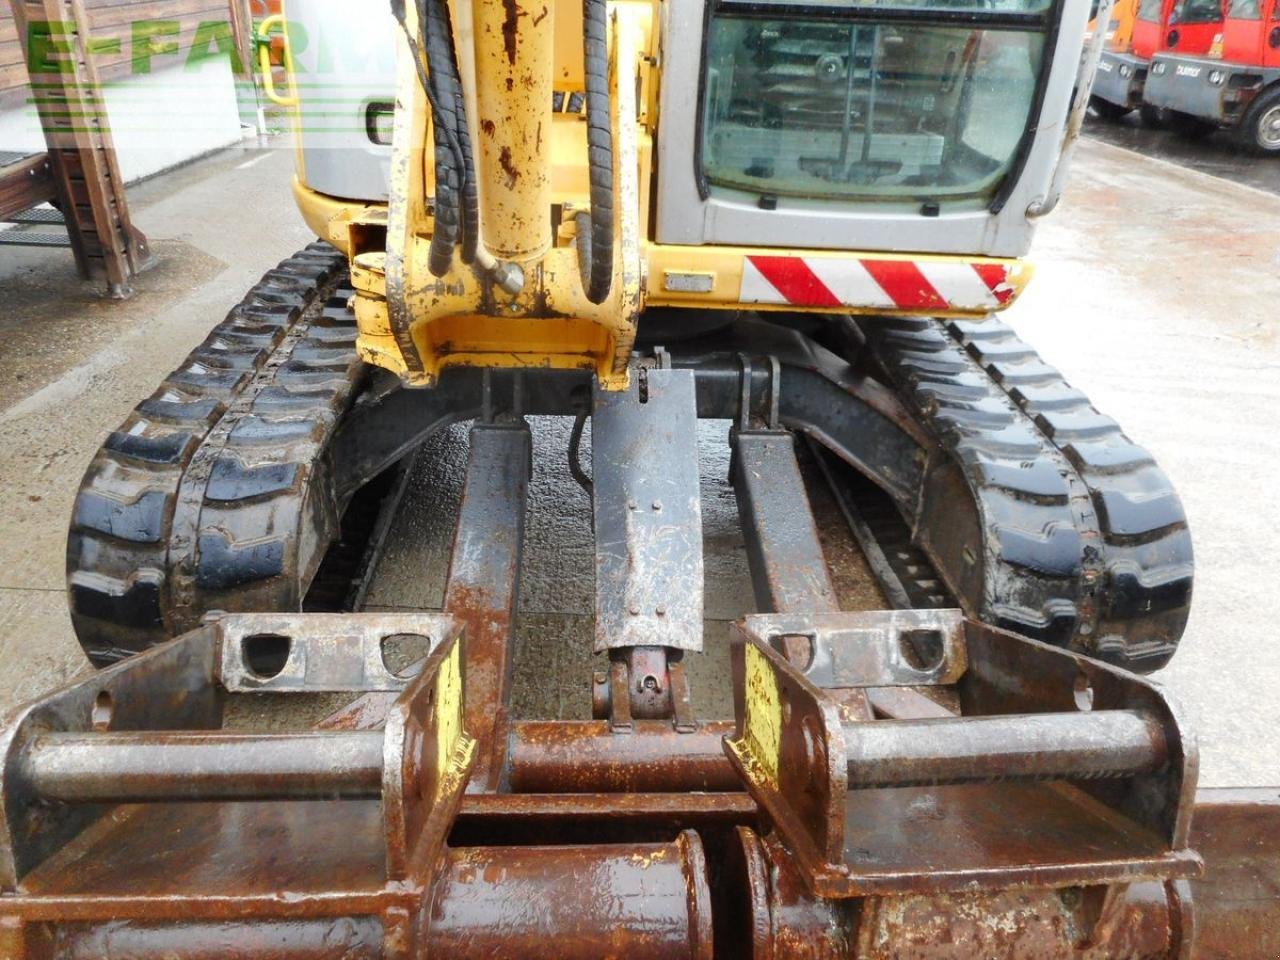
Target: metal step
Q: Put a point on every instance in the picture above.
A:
(13, 156)
(39, 215)
(34, 238)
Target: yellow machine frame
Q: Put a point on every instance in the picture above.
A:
(416, 324)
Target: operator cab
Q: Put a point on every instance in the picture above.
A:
(1185, 26)
(818, 124)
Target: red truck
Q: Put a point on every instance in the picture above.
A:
(1185, 26)
(1236, 85)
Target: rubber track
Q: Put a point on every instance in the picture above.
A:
(210, 494)
(1084, 542)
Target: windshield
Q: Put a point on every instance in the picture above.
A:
(831, 109)
(1149, 10)
(1196, 11)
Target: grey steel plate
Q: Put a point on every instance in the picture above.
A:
(648, 513)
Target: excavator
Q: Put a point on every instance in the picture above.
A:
(672, 229)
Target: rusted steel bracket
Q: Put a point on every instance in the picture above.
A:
(148, 731)
(484, 576)
(134, 825)
(787, 567)
(643, 683)
(1238, 898)
(1056, 770)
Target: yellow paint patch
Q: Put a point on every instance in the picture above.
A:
(448, 711)
(763, 728)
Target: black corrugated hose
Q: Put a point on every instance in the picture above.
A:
(595, 243)
(456, 209)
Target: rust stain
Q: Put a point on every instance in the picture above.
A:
(540, 17)
(489, 127)
(510, 27)
(509, 168)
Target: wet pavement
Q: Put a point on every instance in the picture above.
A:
(553, 659)
(1217, 154)
(1155, 293)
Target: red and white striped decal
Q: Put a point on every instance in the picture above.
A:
(926, 285)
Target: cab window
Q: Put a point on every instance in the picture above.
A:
(1196, 11)
(1149, 10)
(863, 105)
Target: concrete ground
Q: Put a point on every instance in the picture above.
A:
(1155, 294)
(1217, 154)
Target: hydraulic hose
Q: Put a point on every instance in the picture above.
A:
(443, 61)
(457, 213)
(595, 232)
(448, 152)
(470, 195)
(450, 128)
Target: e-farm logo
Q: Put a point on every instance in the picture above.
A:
(51, 45)
(347, 86)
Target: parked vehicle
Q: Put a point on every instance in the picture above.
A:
(1119, 25)
(1185, 26)
(1235, 86)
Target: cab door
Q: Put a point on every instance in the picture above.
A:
(1120, 30)
(1271, 35)
(1150, 27)
(1244, 31)
(1192, 26)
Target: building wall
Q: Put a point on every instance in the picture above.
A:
(158, 120)
(164, 110)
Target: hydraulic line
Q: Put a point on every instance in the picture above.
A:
(450, 222)
(470, 195)
(595, 232)
(443, 65)
(450, 158)
(575, 452)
